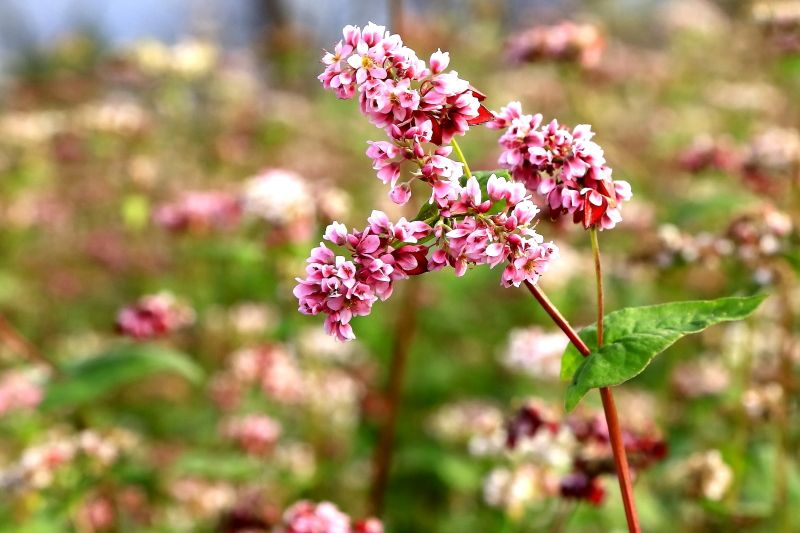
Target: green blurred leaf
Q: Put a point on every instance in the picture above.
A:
(634, 336)
(218, 466)
(135, 211)
(89, 379)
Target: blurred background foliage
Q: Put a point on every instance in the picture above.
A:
(183, 170)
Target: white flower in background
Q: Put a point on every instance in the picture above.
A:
(513, 490)
(278, 196)
(763, 401)
(547, 449)
(316, 344)
(535, 352)
(703, 377)
(462, 421)
(707, 474)
(193, 58)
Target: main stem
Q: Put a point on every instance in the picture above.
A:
(609, 408)
(617, 445)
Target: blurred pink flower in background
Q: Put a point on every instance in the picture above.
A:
(199, 211)
(535, 352)
(324, 517)
(256, 434)
(154, 315)
(565, 41)
(19, 391)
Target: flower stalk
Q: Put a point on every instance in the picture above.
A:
(609, 408)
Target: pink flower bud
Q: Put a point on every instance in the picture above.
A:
(439, 61)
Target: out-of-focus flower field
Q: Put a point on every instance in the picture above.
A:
(158, 201)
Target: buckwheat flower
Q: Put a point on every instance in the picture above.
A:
(707, 153)
(256, 434)
(704, 377)
(296, 458)
(566, 41)
(414, 104)
(278, 196)
(514, 490)
(368, 525)
(342, 289)
(334, 396)
(97, 513)
(763, 401)
(39, 463)
(308, 517)
(154, 315)
(565, 167)
(439, 61)
(462, 421)
(389, 102)
(535, 352)
(18, 391)
(273, 368)
(706, 474)
(199, 211)
(581, 486)
(203, 498)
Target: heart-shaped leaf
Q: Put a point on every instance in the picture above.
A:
(634, 336)
(89, 379)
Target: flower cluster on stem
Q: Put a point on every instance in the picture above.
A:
(415, 103)
(566, 167)
(472, 229)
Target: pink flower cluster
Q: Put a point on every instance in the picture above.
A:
(382, 253)
(324, 517)
(256, 434)
(565, 41)
(18, 392)
(415, 103)
(272, 367)
(467, 233)
(199, 211)
(477, 236)
(153, 315)
(565, 167)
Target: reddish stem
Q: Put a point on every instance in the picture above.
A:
(10, 336)
(609, 408)
(382, 458)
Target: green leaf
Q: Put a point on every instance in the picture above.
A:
(634, 336)
(89, 379)
(218, 465)
(427, 212)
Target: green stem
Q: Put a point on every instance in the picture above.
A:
(598, 269)
(460, 155)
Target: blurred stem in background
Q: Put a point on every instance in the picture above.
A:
(783, 459)
(19, 344)
(405, 326)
